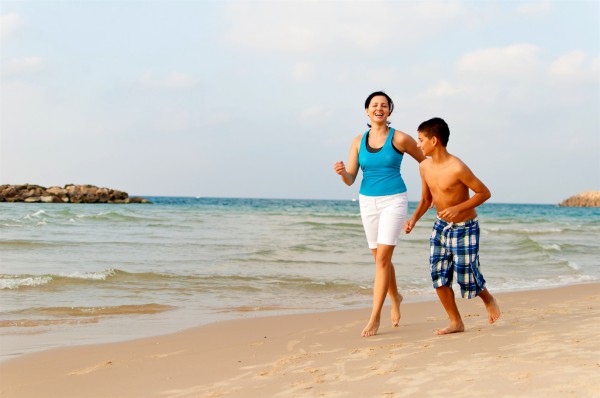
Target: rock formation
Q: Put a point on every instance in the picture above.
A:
(68, 194)
(584, 199)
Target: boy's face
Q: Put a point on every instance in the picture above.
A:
(425, 144)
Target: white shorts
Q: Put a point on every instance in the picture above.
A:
(383, 218)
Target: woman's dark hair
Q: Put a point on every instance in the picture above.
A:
(375, 94)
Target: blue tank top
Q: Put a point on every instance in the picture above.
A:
(380, 168)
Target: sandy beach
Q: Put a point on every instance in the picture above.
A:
(546, 344)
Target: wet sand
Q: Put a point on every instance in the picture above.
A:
(545, 344)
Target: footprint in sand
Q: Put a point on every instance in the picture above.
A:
(90, 369)
(291, 344)
(167, 354)
(442, 353)
(521, 376)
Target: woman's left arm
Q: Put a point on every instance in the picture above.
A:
(405, 143)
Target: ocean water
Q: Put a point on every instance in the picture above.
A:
(93, 273)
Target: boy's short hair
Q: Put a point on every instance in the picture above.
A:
(436, 127)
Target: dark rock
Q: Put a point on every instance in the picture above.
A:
(137, 199)
(71, 193)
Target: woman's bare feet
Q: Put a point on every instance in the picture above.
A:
(452, 329)
(396, 310)
(371, 329)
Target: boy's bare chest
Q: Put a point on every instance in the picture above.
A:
(441, 182)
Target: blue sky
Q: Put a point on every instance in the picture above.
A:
(260, 98)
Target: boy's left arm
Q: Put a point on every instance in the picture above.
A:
(481, 194)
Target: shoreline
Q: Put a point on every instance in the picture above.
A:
(51, 342)
(322, 354)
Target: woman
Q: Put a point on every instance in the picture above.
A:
(383, 200)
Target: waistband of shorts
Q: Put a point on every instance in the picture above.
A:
(458, 224)
(403, 196)
(398, 195)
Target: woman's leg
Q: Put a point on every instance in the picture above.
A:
(396, 298)
(383, 218)
(383, 272)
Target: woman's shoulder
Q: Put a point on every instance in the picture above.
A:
(401, 136)
(357, 140)
(398, 133)
(359, 137)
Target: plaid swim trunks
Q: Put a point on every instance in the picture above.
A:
(455, 249)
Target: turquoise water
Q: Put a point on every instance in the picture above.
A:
(81, 273)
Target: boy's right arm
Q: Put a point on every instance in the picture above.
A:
(424, 203)
(481, 194)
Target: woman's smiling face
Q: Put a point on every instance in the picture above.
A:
(379, 109)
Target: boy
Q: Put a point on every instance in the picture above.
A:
(454, 241)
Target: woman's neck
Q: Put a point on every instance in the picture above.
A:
(379, 129)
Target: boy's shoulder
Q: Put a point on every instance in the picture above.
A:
(425, 164)
(450, 161)
(451, 165)
(460, 166)
(456, 161)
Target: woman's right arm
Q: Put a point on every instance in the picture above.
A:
(348, 173)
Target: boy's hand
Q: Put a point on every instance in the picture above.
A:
(409, 225)
(450, 214)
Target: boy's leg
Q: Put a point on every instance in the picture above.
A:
(442, 272)
(469, 276)
(491, 305)
(446, 295)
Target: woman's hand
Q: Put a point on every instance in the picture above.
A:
(339, 168)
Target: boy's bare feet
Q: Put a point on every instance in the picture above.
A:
(396, 310)
(493, 310)
(452, 329)
(371, 329)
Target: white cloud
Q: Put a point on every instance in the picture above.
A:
(18, 66)
(518, 60)
(514, 80)
(438, 10)
(9, 23)
(272, 27)
(534, 8)
(173, 120)
(383, 76)
(217, 118)
(498, 78)
(172, 81)
(444, 89)
(571, 67)
(315, 114)
(317, 27)
(303, 71)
